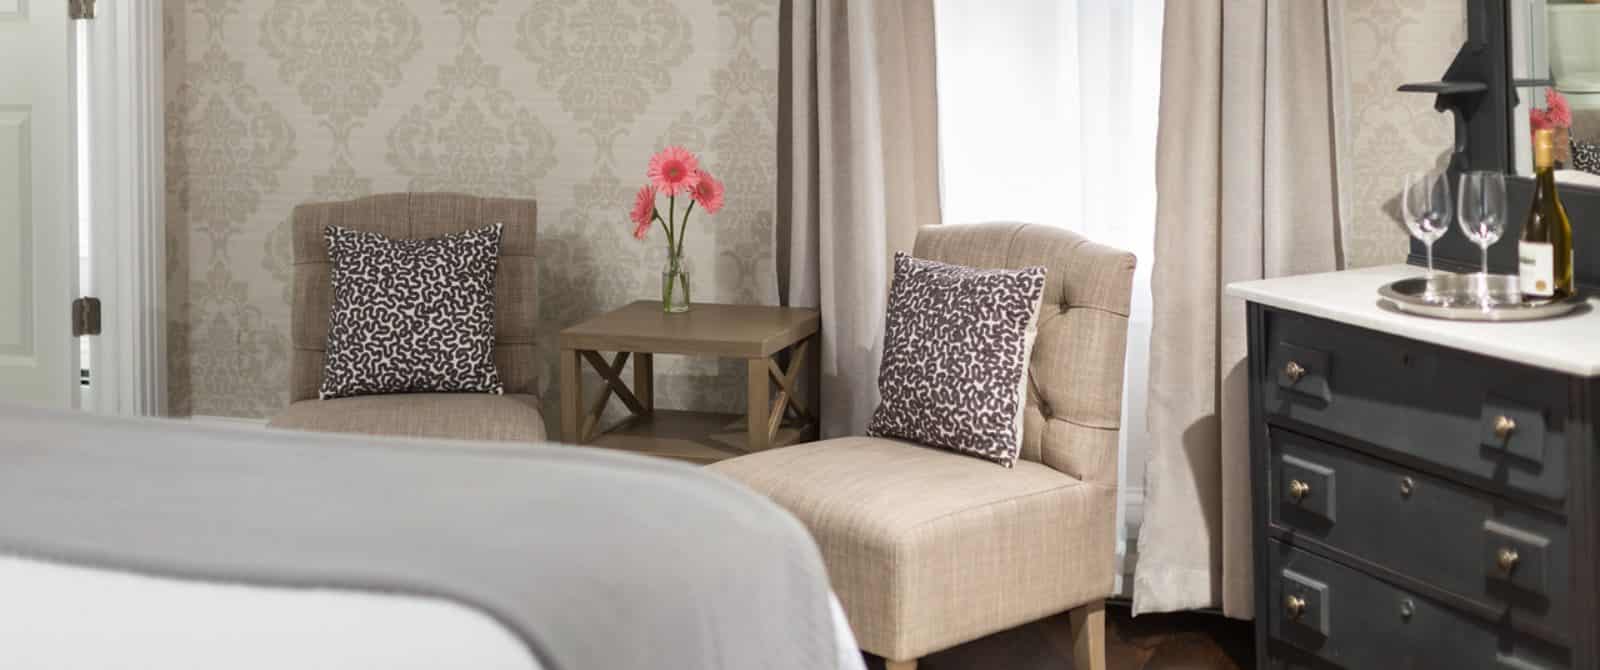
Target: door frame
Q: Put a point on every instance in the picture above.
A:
(127, 182)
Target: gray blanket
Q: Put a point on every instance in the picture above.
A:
(595, 560)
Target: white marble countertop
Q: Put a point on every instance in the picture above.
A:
(1569, 344)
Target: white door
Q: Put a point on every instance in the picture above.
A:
(38, 204)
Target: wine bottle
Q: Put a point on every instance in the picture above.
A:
(1544, 254)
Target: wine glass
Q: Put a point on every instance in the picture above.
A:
(1482, 215)
(1426, 205)
(1482, 209)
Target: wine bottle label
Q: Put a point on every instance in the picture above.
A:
(1536, 268)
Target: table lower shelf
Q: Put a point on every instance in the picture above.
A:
(696, 437)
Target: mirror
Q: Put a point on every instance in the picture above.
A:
(1515, 51)
(1555, 64)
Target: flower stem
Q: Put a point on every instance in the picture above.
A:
(665, 228)
(684, 228)
(666, 293)
(655, 215)
(672, 217)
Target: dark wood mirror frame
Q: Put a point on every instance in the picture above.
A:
(1479, 90)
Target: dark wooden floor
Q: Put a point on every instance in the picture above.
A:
(1185, 641)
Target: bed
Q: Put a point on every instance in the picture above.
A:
(139, 543)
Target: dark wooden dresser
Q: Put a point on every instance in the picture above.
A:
(1424, 491)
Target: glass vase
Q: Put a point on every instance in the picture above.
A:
(675, 285)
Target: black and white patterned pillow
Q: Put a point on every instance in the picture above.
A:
(956, 345)
(411, 316)
(1585, 156)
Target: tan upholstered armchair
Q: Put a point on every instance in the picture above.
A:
(474, 416)
(928, 549)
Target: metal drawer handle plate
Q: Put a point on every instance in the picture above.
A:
(1506, 559)
(1295, 605)
(1298, 489)
(1504, 426)
(1294, 371)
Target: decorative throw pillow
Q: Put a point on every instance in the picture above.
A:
(411, 315)
(1586, 156)
(956, 345)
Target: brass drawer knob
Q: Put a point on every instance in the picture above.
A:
(1506, 559)
(1294, 371)
(1295, 605)
(1504, 426)
(1298, 489)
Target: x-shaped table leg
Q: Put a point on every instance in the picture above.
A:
(767, 412)
(789, 396)
(611, 375)
(766, 416)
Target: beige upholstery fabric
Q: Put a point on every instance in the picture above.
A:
(412, 216)
(458, 416)
(928, 549)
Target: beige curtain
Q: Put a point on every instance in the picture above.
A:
(1247, 182)
(858, 173)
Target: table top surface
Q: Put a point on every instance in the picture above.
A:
(707, 329)
(1569, 344)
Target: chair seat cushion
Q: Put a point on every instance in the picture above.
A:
(461, 416)
(928, 548)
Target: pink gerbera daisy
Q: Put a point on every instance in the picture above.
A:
(644, 210)
(1538, 119)
(1558, 112)
(673, 170)
(707, 191)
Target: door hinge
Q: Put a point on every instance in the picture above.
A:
(80, 9)
(85, 317)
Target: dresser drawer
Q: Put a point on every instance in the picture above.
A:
(1498, 422)
(1504, 556)
(1336, 614)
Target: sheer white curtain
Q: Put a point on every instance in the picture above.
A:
(1047, 114)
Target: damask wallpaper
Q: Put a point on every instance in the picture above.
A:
(275, 102)
(1388, 43)
(271, 103)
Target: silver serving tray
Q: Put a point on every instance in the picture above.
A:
(1473, 297)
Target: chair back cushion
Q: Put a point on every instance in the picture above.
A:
(417, 216)
(1074, 407)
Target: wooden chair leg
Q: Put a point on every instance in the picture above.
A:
(899, 665)
(1089, 636)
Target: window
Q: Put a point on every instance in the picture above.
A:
(1047, 114)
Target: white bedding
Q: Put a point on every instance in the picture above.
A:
(65, 617)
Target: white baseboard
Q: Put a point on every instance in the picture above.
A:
(236, 421)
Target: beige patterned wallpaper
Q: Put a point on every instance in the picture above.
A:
(275, 102)
(1388, 43)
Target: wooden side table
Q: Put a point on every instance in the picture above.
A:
(755, 333)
